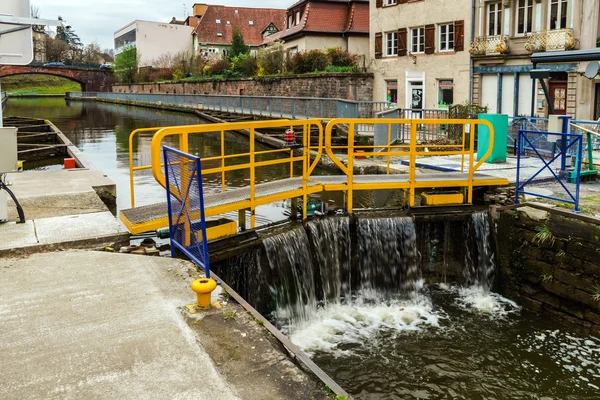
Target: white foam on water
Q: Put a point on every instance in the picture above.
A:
(355, 323)
(477, 299)
(579, 356)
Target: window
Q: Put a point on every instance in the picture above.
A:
(445, 93)
(218, 21)
(558, 14)
(392, 92)
(494, 19)
(417, 40)
(390, 2)
(220, 34)
(292, 51)
(297, 17)
(524, 16)
(446, 37)
(289, 22)
(391, 43)
(228, 23)
(250, 22)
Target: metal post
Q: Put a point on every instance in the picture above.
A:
(563, 141)
(3, 194)
(518, 167)
(578, 167)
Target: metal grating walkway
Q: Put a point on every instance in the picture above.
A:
(154, 216)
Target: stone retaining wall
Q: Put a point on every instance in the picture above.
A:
(356, 86)
(550, 262)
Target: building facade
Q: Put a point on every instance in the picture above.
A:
(153, 39)
(509, 32)
(324, 24)
(418, 52)
(215, 24)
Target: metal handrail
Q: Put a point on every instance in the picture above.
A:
(413, 150)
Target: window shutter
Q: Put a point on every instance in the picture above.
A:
(459, 35)
(378, 45)
(429, 39)
(402, 42)
(379, 3)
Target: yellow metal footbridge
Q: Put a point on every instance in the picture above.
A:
(314, 145)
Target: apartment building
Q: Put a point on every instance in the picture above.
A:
(323, 24)
(153, 39)
(418, 50)
(512, 35)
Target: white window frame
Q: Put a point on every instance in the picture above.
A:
(219, 34)
(420, 42)
(558, 14)
(444, 37)
(228, 22)
(497, 13)
(218, 21)
(297, 17)
(250, 22)
(391, 44)
(290, 19)
(526, 10)
(390, 2)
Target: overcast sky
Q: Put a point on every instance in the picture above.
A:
(97, 20)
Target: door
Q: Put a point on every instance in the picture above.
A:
(558, 97)
(416, 99)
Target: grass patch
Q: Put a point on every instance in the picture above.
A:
(31, 84)
(543, 236)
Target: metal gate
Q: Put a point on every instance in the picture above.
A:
(568, 144)
(185, 200)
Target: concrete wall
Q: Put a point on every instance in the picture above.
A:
(426, 68)
(559, 276)
(344, 86)
(154, 39)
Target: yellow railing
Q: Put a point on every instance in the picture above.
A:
(288, 155)
(310, 152)
(410, 151)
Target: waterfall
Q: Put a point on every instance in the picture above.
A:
(330, 243)
(388, 255)
(292, 275)
(479, 259)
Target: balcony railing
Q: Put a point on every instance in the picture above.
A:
(489, 45)
(554, 40)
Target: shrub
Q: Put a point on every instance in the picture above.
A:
(219, 67)
(244, 65)
(310, 61)
(341, 58)
(178, 75)
(270, 59)
(207, 70)
(165, 74)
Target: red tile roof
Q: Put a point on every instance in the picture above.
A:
(208, 29)
(328, 16)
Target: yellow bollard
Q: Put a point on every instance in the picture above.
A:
(203, 288)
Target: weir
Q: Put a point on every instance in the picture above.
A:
(365, 258)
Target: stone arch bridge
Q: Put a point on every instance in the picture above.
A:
(91, 80)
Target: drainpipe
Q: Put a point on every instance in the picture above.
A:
(471, 63)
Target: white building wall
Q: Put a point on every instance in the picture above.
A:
(154, 39)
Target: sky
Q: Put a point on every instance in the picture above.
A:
(97, 20)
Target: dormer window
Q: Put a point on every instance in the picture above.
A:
(250, 22)
(228, 23)
(297, 17)
(218, 21)
(220, 34)
(289, 22)
(236, 11)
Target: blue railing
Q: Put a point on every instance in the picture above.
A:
(185, 199)
(567, 143)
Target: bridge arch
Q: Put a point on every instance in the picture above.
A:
(91, 80)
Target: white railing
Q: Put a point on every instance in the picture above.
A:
(485, 45)
(555, 40)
